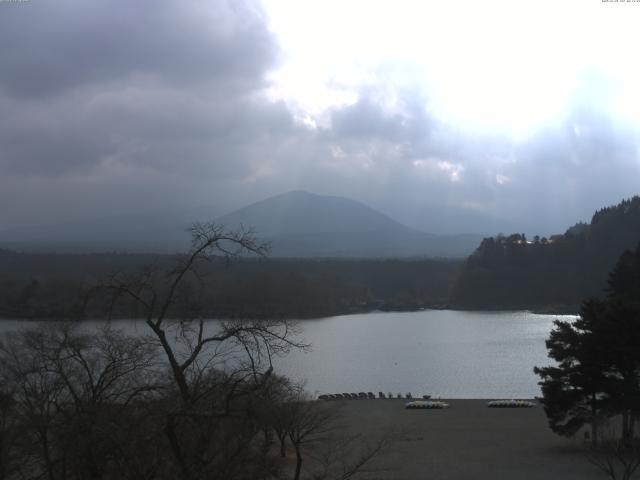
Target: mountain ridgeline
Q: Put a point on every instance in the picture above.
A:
(554, 274)
(297, 224)
(303, 224)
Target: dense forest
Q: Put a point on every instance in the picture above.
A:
(553, 274)
(505, 272)
(60, 285)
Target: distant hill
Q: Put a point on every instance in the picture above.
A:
(302, 224)
(303, 213)
(554, 273)
(297, 224)
(154, 233)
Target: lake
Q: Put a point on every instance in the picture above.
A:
(447, 353)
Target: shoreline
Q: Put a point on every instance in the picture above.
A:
(537, 311)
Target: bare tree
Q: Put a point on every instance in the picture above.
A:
(309, 423)
(9, 458)
(215, 368)
(345, 457)
(196, 349)
(39, 396)
(70, 392)
(321, 441)
(618, 458)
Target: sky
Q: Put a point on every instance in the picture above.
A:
(451, 117)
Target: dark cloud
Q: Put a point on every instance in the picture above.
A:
(53, 46)
(167, 85)
(117, 105)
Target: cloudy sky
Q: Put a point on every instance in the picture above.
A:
(450, 116)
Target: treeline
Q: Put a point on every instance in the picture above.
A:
(505, 272)
(59, 286)
(556, 273)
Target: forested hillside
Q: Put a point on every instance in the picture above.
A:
(55, 286)
(556, 273)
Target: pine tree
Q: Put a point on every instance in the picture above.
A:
(575, 392)
(598, 356)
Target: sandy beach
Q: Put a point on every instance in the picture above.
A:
(468, 441)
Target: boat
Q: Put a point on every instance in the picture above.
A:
(510, 404)
(426, 404)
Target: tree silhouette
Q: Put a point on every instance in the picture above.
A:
(598, 355)
(575, 391)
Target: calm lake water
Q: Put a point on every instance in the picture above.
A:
(445, 353)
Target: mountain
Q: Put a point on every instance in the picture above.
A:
(297, 224)
(557, 273)
(299, 212)
(303, 224)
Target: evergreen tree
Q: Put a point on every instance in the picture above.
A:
(598, 355)
(575, 392)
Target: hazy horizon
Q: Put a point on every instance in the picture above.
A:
(211, 213)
